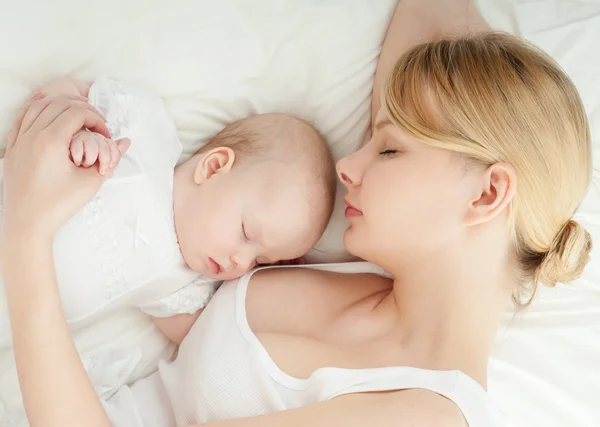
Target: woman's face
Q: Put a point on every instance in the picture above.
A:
(406, 199)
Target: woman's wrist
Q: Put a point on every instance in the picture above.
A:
(21, 246)
(16, 231)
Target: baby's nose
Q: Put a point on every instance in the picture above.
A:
(242, 261)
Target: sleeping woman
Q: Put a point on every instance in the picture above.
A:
(461, 200)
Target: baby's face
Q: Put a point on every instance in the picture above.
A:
(242, 220)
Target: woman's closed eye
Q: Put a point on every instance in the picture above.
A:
(388, 152)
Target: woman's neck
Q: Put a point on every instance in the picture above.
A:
(449, 309)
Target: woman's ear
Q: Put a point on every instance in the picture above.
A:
(497, 189)
(217, 160)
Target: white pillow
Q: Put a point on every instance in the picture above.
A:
(213, 62)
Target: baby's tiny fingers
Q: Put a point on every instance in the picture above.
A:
(103, 154)
(115, 154)
(90, 148)
(76, 149)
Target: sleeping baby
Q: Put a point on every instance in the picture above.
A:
(160, 237)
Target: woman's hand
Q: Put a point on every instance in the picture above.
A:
(42, 186)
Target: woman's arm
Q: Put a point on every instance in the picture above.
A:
(410, 408)
(421, 21)
(55, 387)
(42, 190)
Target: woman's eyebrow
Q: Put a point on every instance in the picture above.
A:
(382, 123)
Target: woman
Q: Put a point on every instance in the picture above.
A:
(479, 157)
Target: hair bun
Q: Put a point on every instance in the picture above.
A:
(567, 256)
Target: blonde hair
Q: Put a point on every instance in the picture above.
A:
(495, 98)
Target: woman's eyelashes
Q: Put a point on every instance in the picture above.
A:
(388, 152)
(244, 233)
(388, 147)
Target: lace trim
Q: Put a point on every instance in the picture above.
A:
(186, 300)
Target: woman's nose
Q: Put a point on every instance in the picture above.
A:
(345, 178)
(347, 175)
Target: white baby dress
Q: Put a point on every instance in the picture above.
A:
(120, 251)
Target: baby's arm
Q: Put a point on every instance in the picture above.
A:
(175, 313)
(177, 327)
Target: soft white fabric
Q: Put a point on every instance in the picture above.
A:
(217, 61)
(120, 250)
(115, 350)
(222, 371)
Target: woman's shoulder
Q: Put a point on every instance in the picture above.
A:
(340, 269)
(364, 276)
(289, 292)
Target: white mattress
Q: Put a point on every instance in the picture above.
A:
(217, 61)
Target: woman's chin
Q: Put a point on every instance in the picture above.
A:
(351, 242)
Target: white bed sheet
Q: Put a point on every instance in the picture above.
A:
(217, 61)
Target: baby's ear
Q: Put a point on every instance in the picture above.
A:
(217, 160)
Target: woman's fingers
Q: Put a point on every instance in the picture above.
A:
(75, 118)
(16, 127)
(39, 104)
(53, 110)
(39, 163)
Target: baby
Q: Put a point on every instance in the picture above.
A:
(161, 237)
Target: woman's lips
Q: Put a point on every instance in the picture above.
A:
(351, 211)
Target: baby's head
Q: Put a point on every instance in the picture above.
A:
(261, 191)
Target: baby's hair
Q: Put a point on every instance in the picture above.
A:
(287, 139)
(243, 140)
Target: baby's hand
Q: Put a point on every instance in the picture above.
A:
(88, 148)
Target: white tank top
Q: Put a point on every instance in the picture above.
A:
(222, 371)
